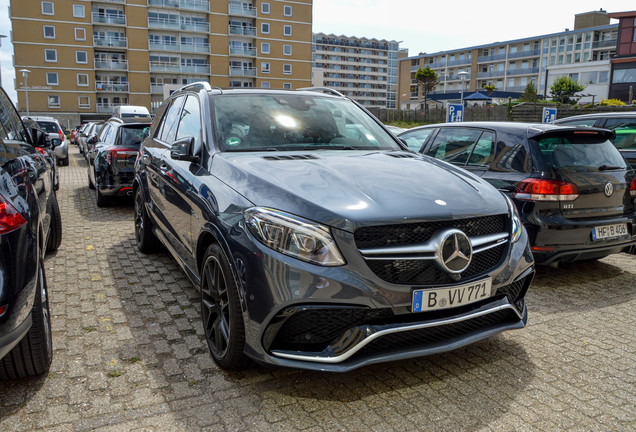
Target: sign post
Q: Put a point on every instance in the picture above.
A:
(549, 115)
(454, 113)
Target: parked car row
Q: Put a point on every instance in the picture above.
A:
(52, 127)
(30, 226)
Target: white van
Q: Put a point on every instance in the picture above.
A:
(128, 111)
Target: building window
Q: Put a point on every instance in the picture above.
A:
(265, 67)
(49, 32)
(81, 57)
(287, 30)
(287, 86)
(265, 8)
(287, 10)
(265, 84)
(51, 78)
(264, 48)
(54, 101)
(265, 28)
(82, 80)
(287, 49)
(287, 69)
(47, 8)
(80, 33)
(50, 55)
(78, 11)
(84, 102)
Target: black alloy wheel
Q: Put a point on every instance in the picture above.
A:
(146, 240)
(54, 237)
(221, 311)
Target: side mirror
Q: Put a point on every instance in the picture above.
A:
(182, 150)
(38, 137)
(55, 142)
(92, 140)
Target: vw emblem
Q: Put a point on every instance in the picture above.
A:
(440, 202)
(455, 251)
(609, 189)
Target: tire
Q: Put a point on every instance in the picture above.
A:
(54, 238)
(147, 242)
(221, 311)
(101, 199)
(91, 185)
(32, 355)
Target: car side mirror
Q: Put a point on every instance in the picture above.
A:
(182, 150)
(92, 140)
(39, 138)
(55, 142)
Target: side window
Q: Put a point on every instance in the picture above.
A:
(512, 158)
(416, 139)
(101, 137)
(625, 130)
(168, 128)
(454, 145)
(484, 151)
(10, 127)
(588, 122)
(190, 121)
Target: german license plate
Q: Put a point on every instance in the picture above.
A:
(609, 231)
(449, 297)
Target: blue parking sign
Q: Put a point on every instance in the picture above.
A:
(549, 115)
(454, 113)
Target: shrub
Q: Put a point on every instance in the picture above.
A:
(611, 102)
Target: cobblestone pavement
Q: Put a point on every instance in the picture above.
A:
(130, 354)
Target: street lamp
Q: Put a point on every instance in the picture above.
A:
(25, 75)
(1, 36)
(462, 76)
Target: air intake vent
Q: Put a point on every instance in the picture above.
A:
(290, 157)
(402, 155)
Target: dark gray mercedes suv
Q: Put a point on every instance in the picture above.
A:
(317, 239)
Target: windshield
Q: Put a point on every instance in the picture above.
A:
(580, 153)
(288, 122)
(132, 136)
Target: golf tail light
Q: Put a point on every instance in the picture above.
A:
(632, 188)
(10, 218)
(294, 236)
(535, 189)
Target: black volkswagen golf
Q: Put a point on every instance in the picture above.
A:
(317, 240)
(574, 191)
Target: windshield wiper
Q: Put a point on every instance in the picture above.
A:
(609, 167)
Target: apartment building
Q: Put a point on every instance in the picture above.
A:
(582, 53)
(364, 69)
(623, 73)
(84, 57)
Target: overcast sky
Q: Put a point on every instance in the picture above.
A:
(421, 25)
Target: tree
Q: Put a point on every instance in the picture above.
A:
(530, 93)
(564, 88)
(427, 79)
(490, 89)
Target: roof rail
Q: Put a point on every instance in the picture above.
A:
(324, 90)
(204, 85)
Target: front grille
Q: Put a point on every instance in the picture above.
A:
(427, 337)
(414, 233)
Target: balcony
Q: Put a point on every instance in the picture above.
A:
(156, 88)
(610, 43)
(196, 69)
(156, 66)
(110, 42)
(108, 19)
(466, 61)
(244, 31)
(105, 108)
(491, 58)
(243, 71)
(491, 74)
(102, 86)
(164, 3)
(195, 26)
(197, 5)
(237, 8)
(526, 53)
(524, 71)
(243, 52)
(164, 24)
(195, 48)
(111, 64)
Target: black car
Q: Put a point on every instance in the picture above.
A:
(574, 191)
(111, 160)
(30, 225)
(317, 240)
(622, 123)
(49, 147)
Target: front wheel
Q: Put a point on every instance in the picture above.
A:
(146, 240)
(221, 311)
(54, 239)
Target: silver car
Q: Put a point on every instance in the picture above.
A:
(53, 128)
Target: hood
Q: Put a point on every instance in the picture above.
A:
(348, 189)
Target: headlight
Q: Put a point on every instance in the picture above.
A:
(517, 227)
(293, 236)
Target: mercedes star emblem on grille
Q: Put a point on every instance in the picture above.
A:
(455, 252)
(609, 189)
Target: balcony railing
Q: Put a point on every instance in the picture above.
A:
(111, 65)
(108, 19)
(195, 48)
(173, 46)
(241, 71)
(195, 26)
(237, 8)
(240, 30)
(491, 74)
(524, 71)
(610, 43)
(243, 52)
(459, 62)
(179, 68)
(196, 69)
(101, 86)
(164, 3)
(526, 53)
(161, 23)
(156, 88)
(198, 5)
(113, 42)
(106, 107)
(491, 58)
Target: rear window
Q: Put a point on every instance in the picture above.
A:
(579, 152)
(132, 136)
(49, 127)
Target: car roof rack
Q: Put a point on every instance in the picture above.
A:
(324, 90)
(200, 85)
